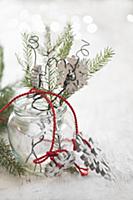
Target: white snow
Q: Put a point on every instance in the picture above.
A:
(65, 187)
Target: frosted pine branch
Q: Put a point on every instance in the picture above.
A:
(100, 60)
(8, 161)
(48, 39)
(67, 42)
(27, 52)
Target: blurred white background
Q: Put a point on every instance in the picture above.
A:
(105, 106)
(101, 22)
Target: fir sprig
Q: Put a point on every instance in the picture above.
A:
(100, 60)
(67, 42)
(51, 76)
(5, 95)
(51, 72)
(8, 161)
(27, 60)
(52, 52)
(27, 52)
(60, 49)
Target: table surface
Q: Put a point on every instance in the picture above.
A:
(69, 186)
(63, 188)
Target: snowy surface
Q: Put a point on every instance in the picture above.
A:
(63, 188)
(104, 107)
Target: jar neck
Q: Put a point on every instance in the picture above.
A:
(33, 113)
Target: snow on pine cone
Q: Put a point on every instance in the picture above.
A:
(92, 157)
(73, 74)
(59, 163)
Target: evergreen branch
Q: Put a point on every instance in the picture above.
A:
(100, 60)
(59, 41)
(27, 60)
(5, 95)
(8, 161)
(48, 39)
(27, 82)
(46, 48)
(27, 52)
(64, 39)
(51, 78)
(1, 63)
(51, 65)
(67, 41)
(62, 36)
(60, 49)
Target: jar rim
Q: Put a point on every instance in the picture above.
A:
(21, 109)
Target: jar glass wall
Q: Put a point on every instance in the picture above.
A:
(30, 131)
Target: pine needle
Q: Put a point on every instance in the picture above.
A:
(62, 46)
(48, 39)
(5, 95)
(8, 161)
(27, 60)
(51, 75)
(100, 60)
(66, 42)
(27, 52)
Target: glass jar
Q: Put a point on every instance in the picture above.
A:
(30, 131)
